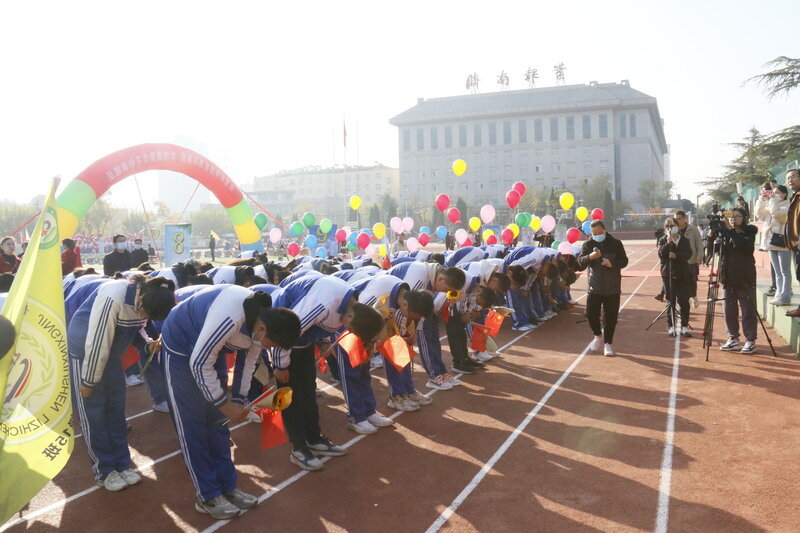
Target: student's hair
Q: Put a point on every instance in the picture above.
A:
(242, 273)
(7, 336)
(81, 271)
(551, 270)
(328, 269)
(200, 279)
(204, 267)
(145, 267)
(115, 238)
(253, 305)
(783, 189)
(158, 295)
(69, 244)
(6, 239)
(680, 214)
(419, 302)
(281, 275)
(436, 258)
(137, 239)
(254, 280)
(597, 224)
(740, 198)
(566, 274)
(243, 261)
(518, 274)
(797, 170)
(367, 322)
(283, 326)
(670, 219)
(6, 279)
(454, 277)
(487, 295)
(505, 281)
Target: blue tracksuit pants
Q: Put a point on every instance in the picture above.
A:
(399, 382)
(430, 347)
(522, 306)
(356, 387)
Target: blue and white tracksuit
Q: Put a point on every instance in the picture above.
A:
(464, 255)
(298, 274)
(493, 250)
(319, 301)
(196, 334)
(98, 334)
(71, 283)
(223, 274)
(422, 276)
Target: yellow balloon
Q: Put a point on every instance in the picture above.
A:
(459, 167)
(581, 213)
(536, 223)
(474, 223)
(514, 229)
(382, 250)
(355, 202)
(487, 233)
(379, 230)
(566, 200)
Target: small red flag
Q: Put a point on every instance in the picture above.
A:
(493, 322)
(130, 357)
(272, 428)
(354, 347)
(322, 362)
(445, 311)
(479, 337)
(230, 361)
(397, 351)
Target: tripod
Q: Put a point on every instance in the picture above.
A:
(669, 310)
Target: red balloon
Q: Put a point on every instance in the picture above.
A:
(597, 214)
(466, 243)
(363, 240)
(492, 239)
(341, 235)
(507, 235)
(442, 202)
(293, 249)
(573, 234)
(512, 198)
(424, 239)
(453, 215)
(519, 187)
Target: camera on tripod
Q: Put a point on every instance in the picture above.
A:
(715, 218)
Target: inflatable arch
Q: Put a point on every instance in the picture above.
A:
(79, 195)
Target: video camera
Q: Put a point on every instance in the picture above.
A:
(715, 218)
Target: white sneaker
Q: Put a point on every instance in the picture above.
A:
(133, 380)
(685, 332)
(113, 482)
(525, 327)
(438, 383)
(253, 417)
(419, 399)
(597, 343)
(749, 347)
(376, 362)
(730, 344)
(671, 331)
(363, 427)
(451, 379)
(130, 476)
(608, 351)
(694, 301)
(162, 407)
(379, 421)
(400, 403)
(481, 357)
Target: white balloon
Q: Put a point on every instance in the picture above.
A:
(396, 224)
(275, 235)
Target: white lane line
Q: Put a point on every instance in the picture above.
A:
(662, 513)
(464, 494)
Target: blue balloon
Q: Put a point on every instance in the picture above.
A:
(587, 227)
(321, 252)
(353, 238)
(441, 232)
(425, 229)
(367, 231)
(310, 242)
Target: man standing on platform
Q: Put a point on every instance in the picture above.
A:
(793, 223)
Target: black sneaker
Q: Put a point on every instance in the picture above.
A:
(325, 447)
(463, 368)
(305, 459)
(771, 291)
(475, 364)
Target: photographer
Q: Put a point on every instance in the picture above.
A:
(737, 274)
(773, 207)
(674, 251)
(767, 190)
(692, 234)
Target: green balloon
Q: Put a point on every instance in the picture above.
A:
(523, 219)
(555, 245)
(309, 219)
(297, 228)
(351, 247)
(260, 220)
(325, 225)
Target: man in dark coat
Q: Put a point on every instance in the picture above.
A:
(119, 260)
(139, 254)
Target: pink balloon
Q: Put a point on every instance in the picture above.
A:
(293, 249)
(363, 240)
(424, 239)
(347, 230)
(507, 235)
(412, 244)
(396, 224)
(466, 243)
(340, 235)
(442, 202)
(487, 214)
(512, 198)
(408, 224)
(565, 248)
(453, 215)
(520, 188)
(548, 223)
(461, 235)
(597, 214)
(274, 235)
(370, 249)
(492, 239)
(573, 234)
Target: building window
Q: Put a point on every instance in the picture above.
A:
(571, 151)
(623, 126)
(462, 136)
(553, 152)
(538, 167)
(420, 139)
(406, 140)
(604, 126)
(554, 129)
(434, 175)
(493, 133)
(494, 171)
(434, 138)
(523, 169)
(603, 148)
(570, 128)
(604, 165)
(523, 154)
(556, 167)
(448, 136)
(420, 160)
(478, 172)
(632, 129)
(523, 131)
(571, 166)
(507, 170)
(493, 156)
(587, 150)
(587, 126)
(478, 157)
(476, 135)
(507, 154)
(587, 166)
(537, 130)
(493, 184)
(539, 152)
(506, 132)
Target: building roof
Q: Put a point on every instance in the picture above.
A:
(326, 170)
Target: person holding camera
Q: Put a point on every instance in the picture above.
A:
(674, 251)
(773, 207)
(762, 214)
(737, 274)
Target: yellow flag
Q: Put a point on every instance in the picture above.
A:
(36, 434)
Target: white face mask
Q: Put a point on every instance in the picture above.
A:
(120, 245)
(137, 246)
(674, 230)
(257, 343)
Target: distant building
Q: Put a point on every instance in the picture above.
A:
(546, 137)
(324, 191)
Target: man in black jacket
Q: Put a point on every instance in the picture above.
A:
(605, 257)
(119, 260)
(139, 254)
(674, 251)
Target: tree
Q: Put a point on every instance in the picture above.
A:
(652, 193)
(592, 194)
(461, 205)
(388, 206)
(535, 201)
(133, 221)
(100, 219)
(13, 215)
(210, 219)
(784, 77)
(374, 214)
(608, 205)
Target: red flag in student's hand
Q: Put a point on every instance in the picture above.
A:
(479, 337)
(272, 428)
(397, 351)
(493, 322)
(130, 357)
(352, 344)
(445, 311)
(322, 362)
(230, 362)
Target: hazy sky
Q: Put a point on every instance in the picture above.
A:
(265, 85)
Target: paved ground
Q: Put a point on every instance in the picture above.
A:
(549, 438)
